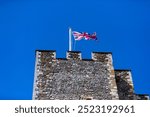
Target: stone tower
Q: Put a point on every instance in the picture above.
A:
(74, 78)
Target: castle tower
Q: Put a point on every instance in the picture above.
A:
(74, 78)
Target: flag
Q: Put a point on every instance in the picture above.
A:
(77, 35)
(84, 35)
(91, 37)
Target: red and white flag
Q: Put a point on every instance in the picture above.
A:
(84, 35)
(77, 35)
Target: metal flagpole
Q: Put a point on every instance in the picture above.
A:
(70, 40)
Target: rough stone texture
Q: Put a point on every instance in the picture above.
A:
(75, 78)
(107, 59)
(74, 55)
(124, 84)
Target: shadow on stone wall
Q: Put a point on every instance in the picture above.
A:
(123, 89)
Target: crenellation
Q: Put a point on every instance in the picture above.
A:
(75, 55)
(113, 86)
(75, 78)
(101, 57)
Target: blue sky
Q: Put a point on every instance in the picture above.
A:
(122, 26)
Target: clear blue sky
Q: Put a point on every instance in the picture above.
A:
(122, 26)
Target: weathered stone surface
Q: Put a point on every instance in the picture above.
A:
(124, 84)
(74, 55)
(75, 78)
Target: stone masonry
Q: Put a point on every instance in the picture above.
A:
(74, 78)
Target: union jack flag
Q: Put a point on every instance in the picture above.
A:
(84, 35)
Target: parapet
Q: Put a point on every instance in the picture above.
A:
(95, 74)
(46, 54)
(75, 55)
(86, 78)
(101, 56)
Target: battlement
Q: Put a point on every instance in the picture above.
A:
(51, 54)
(76, 55)
(76, 78)
(86, 76)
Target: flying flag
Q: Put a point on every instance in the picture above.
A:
(91, 37)
(78, 35)
(84, 35)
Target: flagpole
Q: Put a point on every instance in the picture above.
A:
(70, 40)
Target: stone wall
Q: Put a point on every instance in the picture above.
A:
(124, 84)
(74, 77)
(107, 59)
